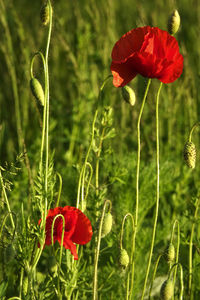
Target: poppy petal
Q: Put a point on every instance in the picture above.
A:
(83, 231)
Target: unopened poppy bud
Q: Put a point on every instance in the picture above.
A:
(44, 14)
(167, 290)
(25, 285)
(174, 22)
(124, 258)
(128, 95)
(107, 224)
(37, 90)
(170, 253)
(190, 154)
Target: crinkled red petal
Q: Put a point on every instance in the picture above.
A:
(83, 231)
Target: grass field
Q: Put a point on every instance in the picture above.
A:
(81, 149)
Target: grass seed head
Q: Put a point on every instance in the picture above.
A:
(167, 290)
(37, 90)
(190, 154)
(174, 22)
(44, 14)
(128, 95)
(107, 224)
(170, 253)
(124, 258)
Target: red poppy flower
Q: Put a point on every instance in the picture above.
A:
(148, 51)
(77, 230)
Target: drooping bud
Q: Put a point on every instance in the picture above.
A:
(190, 154)
(44, 14)
(37, 90)
(167, 290)
(174, 22)
(128, 95)
(170, 253)
(124, 258)
(107, 224)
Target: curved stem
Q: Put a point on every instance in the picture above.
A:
(33, 59)
(157, 191)
(45, 130)
(60, 188)
(191, 131)
(137, 178)
(154, 274)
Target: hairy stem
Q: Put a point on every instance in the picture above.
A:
(157, 192)
(137, 184)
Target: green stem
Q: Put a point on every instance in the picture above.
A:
(97, 164)
(44, 109)
(45, 124)
(154, 274)
(95, 278)
(83, 170)
(7, 202)
(177, 248)
(60, 188)
(157, 191)
(191, 131)
(47, 104)
(137, 181)
(131, 258)
(190, 248)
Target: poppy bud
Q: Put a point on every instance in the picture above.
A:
(124, 258)
(128, 95)
(174, 22)
(167, 290)
(107, 224)
(170, 253)
(25, 285)
(190, 154)
(44, 14)
(37, 90)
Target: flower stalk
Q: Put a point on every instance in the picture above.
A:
(157, 191)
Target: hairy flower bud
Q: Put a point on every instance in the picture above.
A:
(174, 22)
(170, 253)
(190, 154)
(25, 285)
(107, 224)
(44, 14)
(37, 90)
(167, 290)
(128, 95)
(124, 258)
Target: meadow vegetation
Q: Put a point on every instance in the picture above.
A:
(92, 155)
